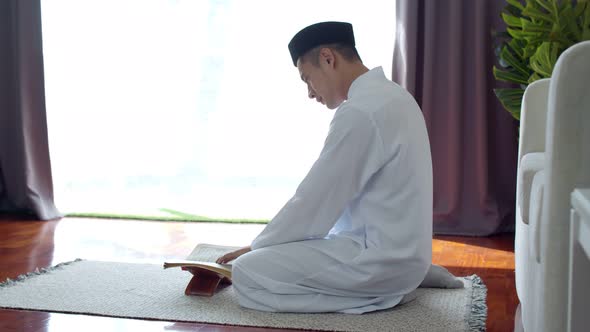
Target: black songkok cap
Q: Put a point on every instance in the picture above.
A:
(320, 34)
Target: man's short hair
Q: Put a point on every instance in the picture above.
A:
(348, 52)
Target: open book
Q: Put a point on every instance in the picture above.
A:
(223, 269)
(207, 275)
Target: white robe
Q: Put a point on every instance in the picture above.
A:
(357, 234)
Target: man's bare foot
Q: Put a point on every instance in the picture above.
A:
(439, 277)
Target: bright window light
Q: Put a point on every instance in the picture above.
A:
(162, 107)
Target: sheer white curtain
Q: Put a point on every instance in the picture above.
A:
(157, 106)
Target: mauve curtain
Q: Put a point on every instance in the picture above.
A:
(444, 56)
(25, 171)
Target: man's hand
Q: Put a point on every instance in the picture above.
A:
(232, 255)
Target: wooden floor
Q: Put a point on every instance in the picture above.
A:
(26, 245)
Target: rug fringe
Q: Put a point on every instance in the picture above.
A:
(478, 309)
(38, 271)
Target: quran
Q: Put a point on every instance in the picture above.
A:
(208, 276)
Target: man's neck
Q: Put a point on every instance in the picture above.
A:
(352, 73)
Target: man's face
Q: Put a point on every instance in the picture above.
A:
(319, 82)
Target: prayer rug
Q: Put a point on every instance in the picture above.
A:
(147, 291)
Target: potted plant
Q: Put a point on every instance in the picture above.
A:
(537, 32)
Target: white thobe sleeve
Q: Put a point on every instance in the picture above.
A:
(352, 153)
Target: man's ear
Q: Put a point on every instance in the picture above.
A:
(327, 57)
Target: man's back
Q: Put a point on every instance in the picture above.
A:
(392, 216)
(400, 190)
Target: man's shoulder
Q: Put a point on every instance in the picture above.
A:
(349, 117)
(380, 93)
(392, 99)
(351, 112)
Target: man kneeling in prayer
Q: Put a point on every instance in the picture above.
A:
(357, 234)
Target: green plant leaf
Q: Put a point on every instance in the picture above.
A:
(511, 99)
(502, 35)
(521, 34)
(586, 22)
(516, 4)
(514, 62)
(511, 20)
(548, 5)
(517, 47)
(513, 10)
(537, 14)
(541, 61)
(537, 29)
(510, 76)
(534, 77)
(571, 25)
(530, 49)
(554, 53)
(537, 32)
(515, 33)
(511, 95)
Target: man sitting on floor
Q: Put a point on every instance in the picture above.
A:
(357, 234)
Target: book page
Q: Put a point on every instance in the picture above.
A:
(209, 252)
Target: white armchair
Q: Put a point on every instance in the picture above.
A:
(531, 161)
(554, 145)
(568, 150)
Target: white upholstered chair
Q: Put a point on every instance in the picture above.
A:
(531, 160)
(554, 145)
(568, 149)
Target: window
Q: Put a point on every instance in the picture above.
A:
(157, 107)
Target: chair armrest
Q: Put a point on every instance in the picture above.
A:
(533, 118)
